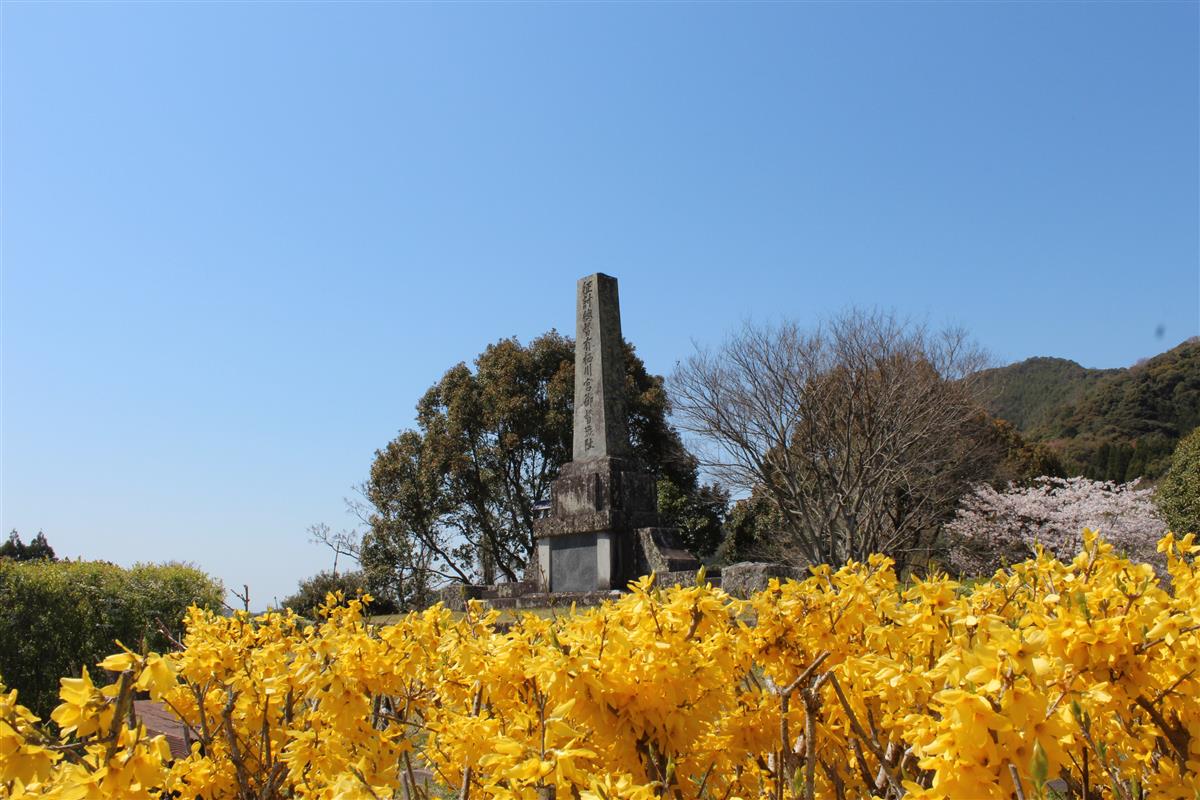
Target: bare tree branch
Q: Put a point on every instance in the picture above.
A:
(861, 432)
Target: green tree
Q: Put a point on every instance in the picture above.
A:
(57, 618)
(751, 525)
(1010, 457)
(1108, 425)
(697, 510)
(311, 592)
(1179, 492)
(37, 550)
(457, 497)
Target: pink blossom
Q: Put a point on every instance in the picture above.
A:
(992, 528)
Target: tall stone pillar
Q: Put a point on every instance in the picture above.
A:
(600, 427)
(602, 496)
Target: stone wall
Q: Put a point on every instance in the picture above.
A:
(747, 577)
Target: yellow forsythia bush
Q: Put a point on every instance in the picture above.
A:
(1049, 680)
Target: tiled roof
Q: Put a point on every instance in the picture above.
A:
(159, 720)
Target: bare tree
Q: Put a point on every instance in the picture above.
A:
(343, 543)
(862, 433)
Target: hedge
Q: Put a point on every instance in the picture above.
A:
(57, 617)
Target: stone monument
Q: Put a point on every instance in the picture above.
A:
(603, 528)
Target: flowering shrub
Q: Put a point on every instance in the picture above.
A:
(1051, 679)
(992, 528)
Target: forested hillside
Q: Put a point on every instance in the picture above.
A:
(1029, 393)
(1117, 424)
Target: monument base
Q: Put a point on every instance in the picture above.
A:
(603, 560)
(584, 562)
(600, 494)
(587, 543)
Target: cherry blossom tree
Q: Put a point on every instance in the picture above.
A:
(992, 528)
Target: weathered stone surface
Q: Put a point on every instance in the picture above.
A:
(507, 589)
(686, 578)
(573, 566)
(455, 595)
(603, 494)
(747, 577)
(602, 530)
(554, 600)
(600, 428)
(659, 550)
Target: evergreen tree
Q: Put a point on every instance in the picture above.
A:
(37, 550)
(1179, 493)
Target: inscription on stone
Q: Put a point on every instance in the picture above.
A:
(573, 563)
(600, 428)
(589, 358)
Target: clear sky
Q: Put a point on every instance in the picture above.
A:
(241, 239)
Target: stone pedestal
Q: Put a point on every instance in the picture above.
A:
(587, 542)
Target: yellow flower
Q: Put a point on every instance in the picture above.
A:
(84, 709)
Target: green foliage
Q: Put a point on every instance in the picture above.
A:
(311, 593)
(1113, 425)
(1017, 460)
(1179, 492)
(1030, 393)
(58, 617)
(698, 514)
(749, 528)
(37, 550)
(1129, 425)
(457, 497)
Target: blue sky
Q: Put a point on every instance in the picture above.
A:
(240, 240)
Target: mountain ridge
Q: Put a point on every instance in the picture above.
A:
(1108, 424)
